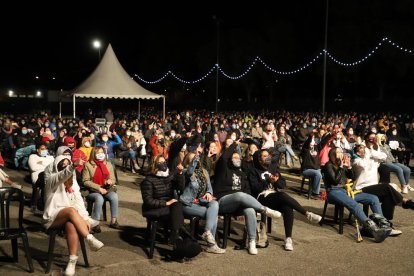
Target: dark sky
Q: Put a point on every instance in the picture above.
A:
(56, 41)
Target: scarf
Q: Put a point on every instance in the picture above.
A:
(202, 182)
(101, 173)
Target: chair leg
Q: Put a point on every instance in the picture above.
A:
(27, 252)
(153, 229)
(194, 225)
(302, 185)
(52, 239)
(226, 230)
(341, 219)
(84, 252)
(104, 210)
(324, 213)
(15, 250)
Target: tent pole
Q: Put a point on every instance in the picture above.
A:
(163, 107)
(60, 103)
(74, 108)
(139, 109)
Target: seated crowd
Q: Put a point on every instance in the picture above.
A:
(206, 165)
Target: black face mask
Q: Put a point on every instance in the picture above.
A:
(161, 141)
(382, 142)
(162, 167)
(268, 160)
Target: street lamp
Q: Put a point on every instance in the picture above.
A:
(217, 20)
(97, 45)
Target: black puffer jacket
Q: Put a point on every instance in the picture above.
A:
(157, 190)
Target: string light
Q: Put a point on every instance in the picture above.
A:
(295, 71)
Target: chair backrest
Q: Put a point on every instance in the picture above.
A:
(7, 195)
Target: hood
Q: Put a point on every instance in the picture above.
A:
(68, 140)
(256, 161)
(62, 149)
(58, 159)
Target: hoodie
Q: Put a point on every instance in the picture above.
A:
(76, 153)
(56, 197)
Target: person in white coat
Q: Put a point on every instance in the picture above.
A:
(64, 208)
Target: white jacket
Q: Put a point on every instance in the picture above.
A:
(56, 197)
(37, 164)
(366, 172)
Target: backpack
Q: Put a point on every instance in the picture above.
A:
(261, 235)
(186, 248)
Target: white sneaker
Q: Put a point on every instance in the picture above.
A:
(252, 247)
(404, 189)
(411, 189)
(313, 217)
(94, 243)
(92, 222)
(288, 244)
(215, 249)
(209, 238)
(70, 268)
(395, 232)
(272, 213)
(15, 185)
(136, 167)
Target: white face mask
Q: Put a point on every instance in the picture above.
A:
(233, 137)
(87, 144)
(100, 156)
(394, 132)
(128, 133)
(172, 134)
(105, 139)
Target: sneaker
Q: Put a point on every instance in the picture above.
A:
(252, 247)
(94, 243)
(114, 225)
(379, 234)
(133, 171)
(395, 232)
(209, 238)
(272, 213)
(409, 204)
(404, 189)
(136, 167)
(313, 217)
(70, 268)
(96, 229)
(295, 157)
(288, 244)
(93, 222)
(411, 189)
(215, 249)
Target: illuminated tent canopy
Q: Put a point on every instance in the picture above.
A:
(111, 81)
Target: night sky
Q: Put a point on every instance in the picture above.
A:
(150, 40)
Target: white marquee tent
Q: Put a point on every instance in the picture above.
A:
(111, 81)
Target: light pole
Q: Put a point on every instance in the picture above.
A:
(97, 45)
(217, 59)
(324, 57)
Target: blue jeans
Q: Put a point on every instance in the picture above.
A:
(287, 149)
(247, 204)
(316, 179)
(403, 172)
(98, 200)
(208, 212)
(339, 195)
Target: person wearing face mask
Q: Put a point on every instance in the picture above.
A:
(108, 146)
(158, 190)
(159, 146)
(25, 145)
(265, 183)
(98, 175)
(197, 199)
(37, 164)
(269, 137)
(129, 151)
(352, 138)
(176, 154)
(232, 189)
(398, 148)
(86, 146)
(403, 172)
(209, 158)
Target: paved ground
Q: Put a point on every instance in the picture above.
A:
(317, 250)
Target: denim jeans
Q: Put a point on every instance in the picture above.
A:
(240, 201)
(403, 172)
(316, 179)
(98, 200)
(208, 212)
(287, 149)
(338, 195)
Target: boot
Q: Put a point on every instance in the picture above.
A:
(379, 234)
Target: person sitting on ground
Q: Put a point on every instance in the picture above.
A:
(265, 184)
(98, 175)
(62, 209)
(337, 172)
(231, 187)
(197, 199)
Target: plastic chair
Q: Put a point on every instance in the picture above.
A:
(12, 228)
(306, 180)
(52, 238)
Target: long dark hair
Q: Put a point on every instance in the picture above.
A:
(336, 162)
